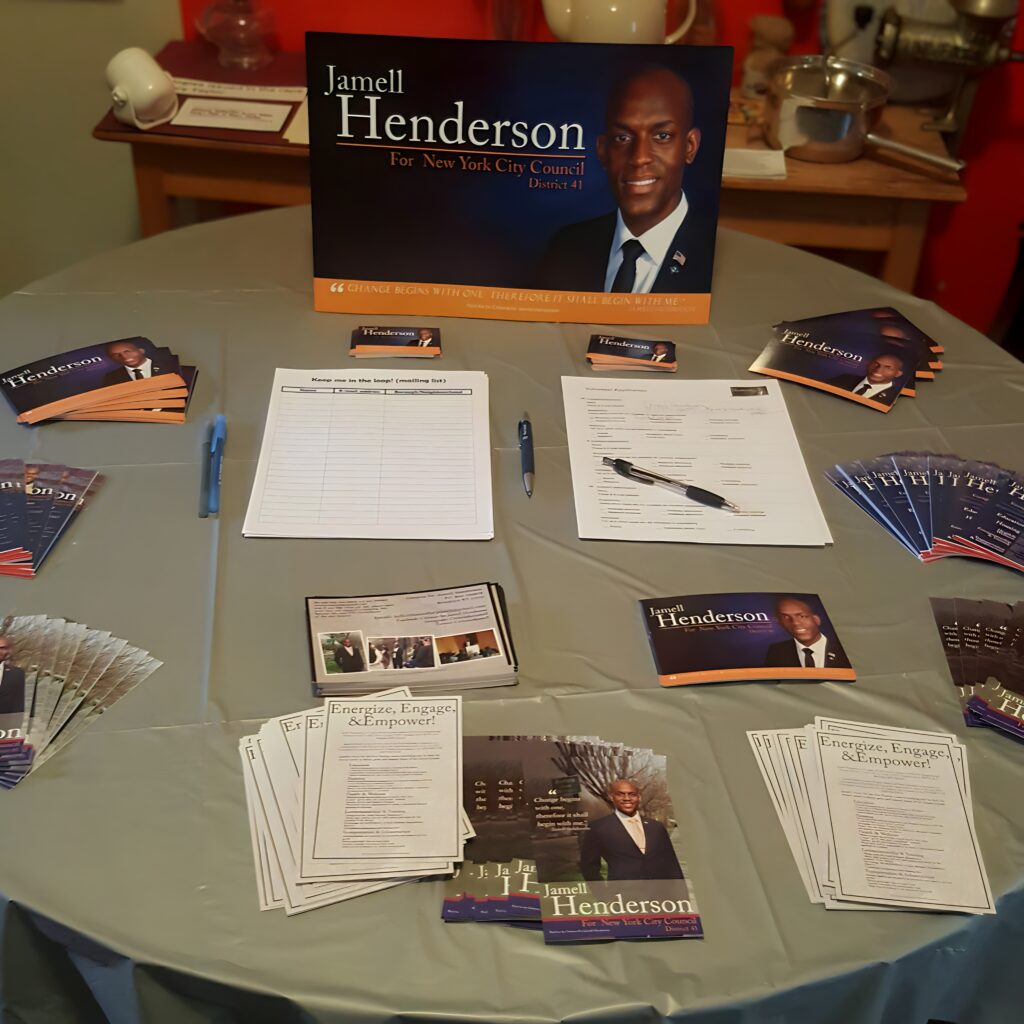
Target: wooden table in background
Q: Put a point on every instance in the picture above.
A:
(878, 204)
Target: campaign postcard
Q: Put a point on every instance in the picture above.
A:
(89, 376)
(870, 367)
(608, 352)
(885, 322)
(565, 182)
(396, 342)
(609, 806)
(713, 638)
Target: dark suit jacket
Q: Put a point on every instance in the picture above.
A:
(850, 380)
(785, 655)
(122, 373)
(424, 657)
(608, 840)
(576, 258)
(349, 661)
(12, 691)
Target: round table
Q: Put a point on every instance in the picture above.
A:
(126, 864)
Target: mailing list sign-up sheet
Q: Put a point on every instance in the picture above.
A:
(375, 454)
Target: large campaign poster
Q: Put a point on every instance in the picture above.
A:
(520, 181)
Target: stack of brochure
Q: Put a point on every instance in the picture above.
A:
(984, 646)
(939, 506)
(716, 638)
(394, 342)
(128, 379)
(37, 505)
(870, 356)
(56, 678)
(448, 640)
(876, 817)
(609, 352)
(337, 796)
(575, 836)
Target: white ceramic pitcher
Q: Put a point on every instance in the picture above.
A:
(613, 21)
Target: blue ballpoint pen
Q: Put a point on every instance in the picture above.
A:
(526, 453)
(217, 438)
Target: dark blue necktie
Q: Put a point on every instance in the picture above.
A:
(632, 250)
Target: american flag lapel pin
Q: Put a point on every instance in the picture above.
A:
(678, 257)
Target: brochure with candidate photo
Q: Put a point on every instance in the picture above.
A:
(395, 342)
(867, 356)
(566, 182)
(606, 352)
(605, 845)
(597, 825)
(714, 638)
(455, 638)
(128, 379)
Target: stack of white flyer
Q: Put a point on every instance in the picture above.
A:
(877, 818)
(358, 795)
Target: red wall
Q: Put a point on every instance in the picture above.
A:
(971, 248)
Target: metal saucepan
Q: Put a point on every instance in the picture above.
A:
(823, 109)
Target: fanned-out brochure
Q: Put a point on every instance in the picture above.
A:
(984, 646)
(869, 356)
(57, 677)
(452, 639)
(130, 379)
(940, 505)
(713, 638)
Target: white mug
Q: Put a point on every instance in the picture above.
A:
(612, 21)
(141, 91)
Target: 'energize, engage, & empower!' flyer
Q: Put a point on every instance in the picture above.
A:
(518, 181)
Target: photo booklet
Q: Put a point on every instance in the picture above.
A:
(564, 182)
(453, 639)
(38, 503)
(869, 356)
(574, 836)
(130, 379)
(716, 638)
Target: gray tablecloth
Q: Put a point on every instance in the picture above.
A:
(126, 860)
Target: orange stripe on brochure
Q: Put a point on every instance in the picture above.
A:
(726, 675)
(337, 295)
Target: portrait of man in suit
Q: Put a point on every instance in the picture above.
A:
(655, 241)
(135, 363)
(424, 338)
(348, 656)
(661, 353)
(808, 646)
(12, 688)
(633, 848)
(882, 381)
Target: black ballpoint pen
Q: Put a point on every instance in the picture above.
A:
(647, 476)
(526, 453)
